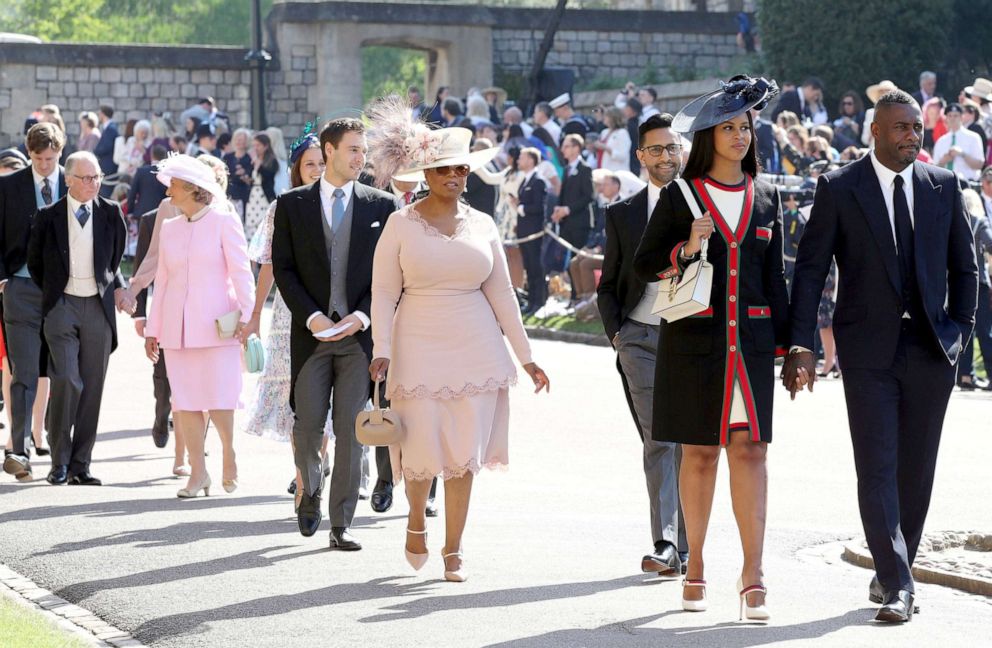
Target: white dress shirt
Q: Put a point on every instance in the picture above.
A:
(326, 205)
(970, 144)
(82, 279)
(887, 182)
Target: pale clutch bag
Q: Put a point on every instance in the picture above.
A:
(379, 427)
(227, 324)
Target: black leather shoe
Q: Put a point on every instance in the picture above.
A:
(84, 479)
(876, 594)
(343, 541)
(308, 516)
(58, 475)
(160, 436)
(897, 608)
(382, 496)
(431, 509)
(665, 560)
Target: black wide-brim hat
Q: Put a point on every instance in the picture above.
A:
(735, 97)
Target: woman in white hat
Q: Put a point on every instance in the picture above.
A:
(203, 275)
(441, 304)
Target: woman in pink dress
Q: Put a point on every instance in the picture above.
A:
(441, 304)
(203, 274)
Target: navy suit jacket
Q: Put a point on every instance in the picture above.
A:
(532, 194)
(849, 222)
(146, 192)
(104, 150)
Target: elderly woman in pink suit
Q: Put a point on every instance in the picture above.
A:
(203, 274)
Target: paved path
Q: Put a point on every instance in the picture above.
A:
(553, 545)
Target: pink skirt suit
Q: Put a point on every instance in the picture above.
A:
(441, 307)
(203, 273)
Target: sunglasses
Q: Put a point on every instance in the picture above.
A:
(458, 170)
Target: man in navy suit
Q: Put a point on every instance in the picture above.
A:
(530, 200)
(104, 150)
(21, 195)
(905, 254)
(146, 191)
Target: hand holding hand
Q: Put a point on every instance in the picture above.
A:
(151, 348)
(701, 230)
(139, 327)
(540, 378)
(125, 301)
(799, 371)
(378, 368)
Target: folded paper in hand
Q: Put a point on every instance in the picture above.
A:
(333, 331)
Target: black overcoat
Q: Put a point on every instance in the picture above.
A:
(737, 338)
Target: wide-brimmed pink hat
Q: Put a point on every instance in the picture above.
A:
(188, 168)
(429, 149)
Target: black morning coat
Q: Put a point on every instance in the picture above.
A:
(48, 254)
(737, 338)
(302, 270)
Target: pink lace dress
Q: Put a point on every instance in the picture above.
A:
(440, 308)
(269, 415)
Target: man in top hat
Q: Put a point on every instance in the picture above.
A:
(322, 247)
(22, 194)
(906, 303)
(959, 149)
(74, 256)
(571, 122)
(625, 305)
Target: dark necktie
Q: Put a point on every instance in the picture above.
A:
(904, 233)
(82, 215)
(46, 191)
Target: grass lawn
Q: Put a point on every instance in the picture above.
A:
(21, 627)
(566, 323)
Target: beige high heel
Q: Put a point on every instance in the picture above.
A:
(417, 561)
(756, 613)
(690, 605)
(454, 575)
(186, 493)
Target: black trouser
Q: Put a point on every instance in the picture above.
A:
(896, 416)
(163, 394)
(983, 333)
(537, 282)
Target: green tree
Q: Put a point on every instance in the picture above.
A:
(391, 70)
(851, 44)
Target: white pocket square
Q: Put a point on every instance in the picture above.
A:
(375, 224)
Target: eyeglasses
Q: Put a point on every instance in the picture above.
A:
(655, 151)
(847, 103)
(88, 179)
(458, 170)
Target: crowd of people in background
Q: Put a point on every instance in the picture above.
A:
(547, 188)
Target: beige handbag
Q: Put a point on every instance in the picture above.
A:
(378, 427)
(227, 324)
(685, 295)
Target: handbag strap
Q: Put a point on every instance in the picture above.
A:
(375, 416)
(697, 213)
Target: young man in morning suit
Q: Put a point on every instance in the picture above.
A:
(325, 235)
(906, 303)
(23, 193)
(74, 256)
(625, 305)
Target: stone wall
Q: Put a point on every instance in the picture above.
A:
(595, 54)
(134, 80)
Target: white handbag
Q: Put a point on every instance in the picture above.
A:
(689, 293)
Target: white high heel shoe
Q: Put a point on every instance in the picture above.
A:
(756, 613)
(691, 605)
(188, 493)
(454, 575)
(417, 561)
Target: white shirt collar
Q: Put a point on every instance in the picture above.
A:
(574, 163)
(74, 205)
(327, 190)
(529, 175)
(887, 176)
(654, 194)
(53, 177)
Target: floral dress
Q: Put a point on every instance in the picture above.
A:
(270, 416)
